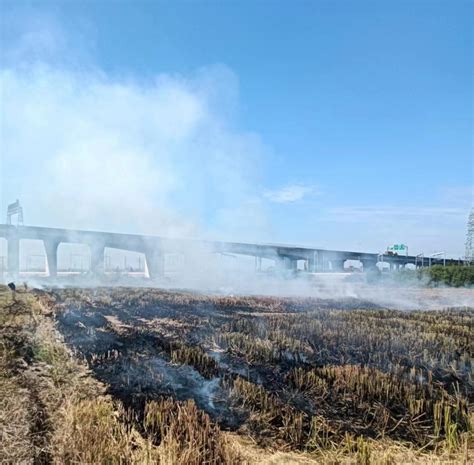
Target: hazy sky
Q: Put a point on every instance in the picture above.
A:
(336, 124)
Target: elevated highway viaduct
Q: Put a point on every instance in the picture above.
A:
(154, 248)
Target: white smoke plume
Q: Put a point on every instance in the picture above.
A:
(85, 149)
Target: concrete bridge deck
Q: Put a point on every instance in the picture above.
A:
(154, 248)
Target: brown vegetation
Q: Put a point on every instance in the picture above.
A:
(53, 411)
(196, 357)
(313, 381)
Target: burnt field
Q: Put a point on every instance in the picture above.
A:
(305, 375)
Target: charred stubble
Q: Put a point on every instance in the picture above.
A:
(297, 374)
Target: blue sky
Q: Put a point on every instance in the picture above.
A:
(335, 124)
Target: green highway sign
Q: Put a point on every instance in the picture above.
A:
(397, 248)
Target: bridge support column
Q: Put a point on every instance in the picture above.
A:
(311, 265)
(51, 248)
(13, 260)
(369, 265)
(283, 263)
(337, 265)
(258, 263)
(322, 265)
(293, 265)
(97, 258)
(314, 262)
(322, 262)
(155, 262)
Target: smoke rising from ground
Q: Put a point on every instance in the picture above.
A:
(89, 149)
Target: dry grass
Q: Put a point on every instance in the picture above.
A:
(91, 432)
(37, 375)
(53, 411)
(19, 416)
(358, 387)
(16, 445)
(195, 357)
(186, 434)
(425, 410)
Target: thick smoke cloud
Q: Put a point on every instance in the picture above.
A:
(91, 151)
(86, 149)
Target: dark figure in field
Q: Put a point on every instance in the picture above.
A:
(12, 286)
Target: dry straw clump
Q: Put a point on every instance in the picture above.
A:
(186, 434)
(91, 432)
(16, 445)
(275, 422)
(196, 357)
(422, 410)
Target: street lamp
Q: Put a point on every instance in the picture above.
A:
(422, 256)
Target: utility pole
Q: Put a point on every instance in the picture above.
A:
(470, 238)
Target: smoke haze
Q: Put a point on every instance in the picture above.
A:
(86, 148)
(115, 155)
